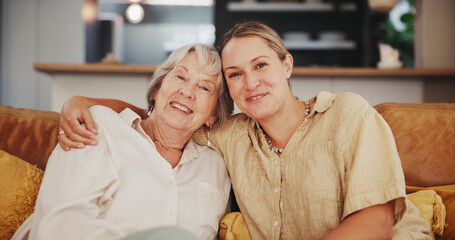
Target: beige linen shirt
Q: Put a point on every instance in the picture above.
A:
(340, 160)
(123, 185)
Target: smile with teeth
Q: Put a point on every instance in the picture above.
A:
(180, 107)
(257, 97)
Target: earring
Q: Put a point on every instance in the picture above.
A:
(208, 136)
(150, 111)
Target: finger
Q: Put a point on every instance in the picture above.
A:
(79, 129)
(67, 144)
(62, 143)
(76, 137)
(89, 123)
(68, 126)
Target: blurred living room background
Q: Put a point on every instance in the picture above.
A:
(320, 34)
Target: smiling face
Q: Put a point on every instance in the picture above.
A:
(187, 97)
(256, 77)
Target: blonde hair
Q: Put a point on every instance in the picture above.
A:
(209, 61)
(256, 29)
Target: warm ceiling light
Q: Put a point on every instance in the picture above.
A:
(135, 13)
(89, 11)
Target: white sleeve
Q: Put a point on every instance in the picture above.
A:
(77, 188)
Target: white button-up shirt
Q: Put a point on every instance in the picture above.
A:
(124, 185)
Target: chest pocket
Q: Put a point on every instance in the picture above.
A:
(316, 170)
(212, 206)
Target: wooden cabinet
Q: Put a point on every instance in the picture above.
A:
(336, 33)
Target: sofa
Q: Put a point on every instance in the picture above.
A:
(424, 134)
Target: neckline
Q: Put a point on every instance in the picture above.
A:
(277, 150)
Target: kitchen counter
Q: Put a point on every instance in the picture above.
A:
(298, 71)
(94, 68)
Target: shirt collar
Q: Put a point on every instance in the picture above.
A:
(322, 102)
(130, 117)
(191, 151)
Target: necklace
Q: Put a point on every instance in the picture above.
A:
(280, 150)
(273, 148)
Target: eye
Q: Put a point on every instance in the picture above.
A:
(180, 77)
(261, 65)
(233, 75)
(205, 88)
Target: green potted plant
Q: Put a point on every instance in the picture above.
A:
(403, 39)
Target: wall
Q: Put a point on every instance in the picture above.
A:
(37, 31)
(434, 46)
(435, 34)
(375, 90)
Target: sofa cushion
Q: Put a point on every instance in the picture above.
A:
(28, 134)
(233, 226)
(19, 186)
(425, 138)
(447, 194)
(431, 209)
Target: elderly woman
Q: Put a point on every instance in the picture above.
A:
(143, 173)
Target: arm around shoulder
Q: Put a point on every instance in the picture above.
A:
(77, 124)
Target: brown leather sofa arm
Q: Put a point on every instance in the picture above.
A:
(28, 134)
(425, 138)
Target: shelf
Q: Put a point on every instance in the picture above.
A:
(320, 45)
(287, 7)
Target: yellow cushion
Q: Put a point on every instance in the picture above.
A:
(19, 186)
(233, 226)
(447, 194)
(431, 209)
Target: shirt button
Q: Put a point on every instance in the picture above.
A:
(171, 182)
(276, 161)
(275, 223)
(276, 190)
(170, 214)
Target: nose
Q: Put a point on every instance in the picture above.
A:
(251, 82)
(188, 91)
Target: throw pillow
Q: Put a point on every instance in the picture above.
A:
(19, 186)
(431, 209)
(447, 194)
(233, 227)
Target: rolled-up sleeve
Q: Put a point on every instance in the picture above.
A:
(373, 168)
